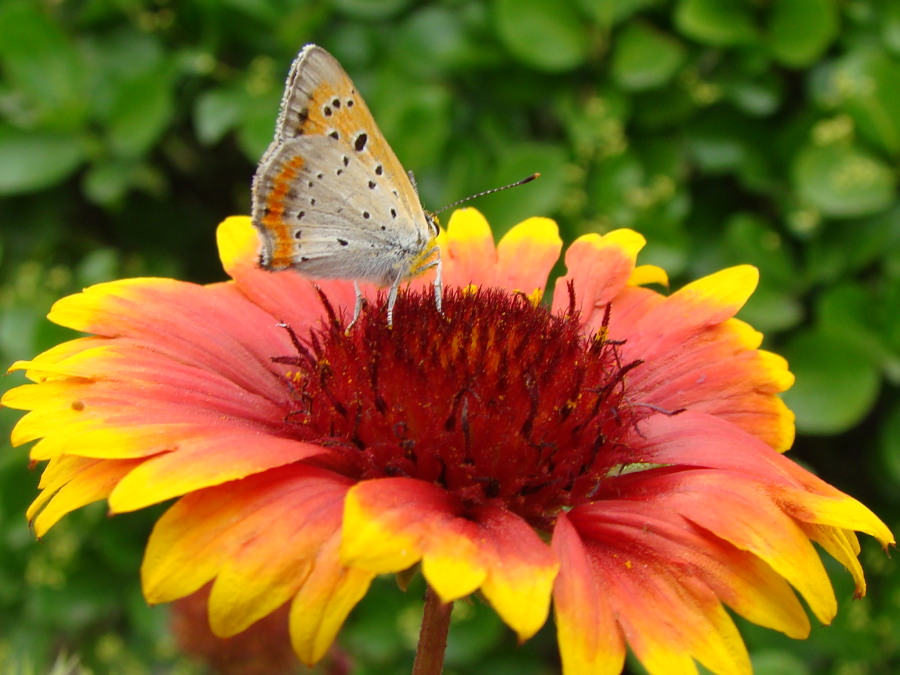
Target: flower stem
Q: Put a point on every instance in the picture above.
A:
(433, 636)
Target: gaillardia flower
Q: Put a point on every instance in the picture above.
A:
(618, 451)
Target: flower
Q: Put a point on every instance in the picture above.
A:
(618, 452)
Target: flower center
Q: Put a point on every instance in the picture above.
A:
(497, 400)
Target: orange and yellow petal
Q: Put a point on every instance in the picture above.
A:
(813, 501)
(648, 274)
(695, 355)
(599, 268)
(520, 262)
(669, 617)
(670, 621)
(468, 253)
(260, 540)
(322, 604)
(239, 245)
(393, 523)
(590, 640)
(68, 483)
(174, 379)
(664, 582)
(750, 485)
(203, 461)
(526, 254)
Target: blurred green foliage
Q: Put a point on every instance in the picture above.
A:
(726, 131)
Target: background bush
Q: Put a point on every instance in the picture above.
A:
(727, 131)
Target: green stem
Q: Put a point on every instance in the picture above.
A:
(433, 636)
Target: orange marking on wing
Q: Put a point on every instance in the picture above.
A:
(316, 122)
(283, 249)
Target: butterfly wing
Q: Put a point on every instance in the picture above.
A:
(330, 197)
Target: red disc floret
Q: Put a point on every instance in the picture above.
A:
(496, 399)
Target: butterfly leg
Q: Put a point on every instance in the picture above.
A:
(438, 284)
(392, 299)
(357, 307)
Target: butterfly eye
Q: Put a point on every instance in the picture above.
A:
(433, 224)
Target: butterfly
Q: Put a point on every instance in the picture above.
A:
(330, 199)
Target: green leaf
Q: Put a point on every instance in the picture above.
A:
(772, 310)
(611, 12)
(866, 85)
(842, 180)
(611, 186)
(39, 59)
(257, 126)
(891, 300)
(723, 141)
(141, 111)
(107, 183)
(801, 30)
(417, 124)
(433, 40)
(538, 198)
(837, 383)
(751, 239)
(843, 248)
(720, 23)
(34, 160)
(217, 112)
(759, 96)
(102, 264)
(858, 314)
(644, 58)
(548, 36)
(890, 27)
(779, 662)
(668, 107)
(889, 444)
(371, 9)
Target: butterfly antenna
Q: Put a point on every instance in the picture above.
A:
(527, 179)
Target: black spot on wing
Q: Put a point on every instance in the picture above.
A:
(360, 143)
(302, 116)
